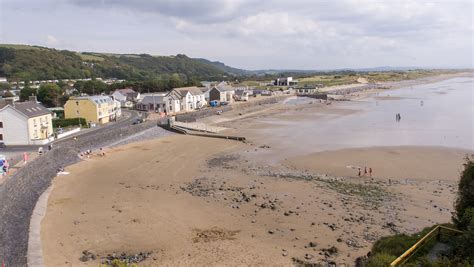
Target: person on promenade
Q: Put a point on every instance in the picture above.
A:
(365, 171)
(359, 172)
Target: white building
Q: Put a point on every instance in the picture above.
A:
(127, 97)
(285, 81)
(25, 123)
(184, 99)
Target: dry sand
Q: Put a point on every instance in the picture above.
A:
(206, 202)
(232, 211)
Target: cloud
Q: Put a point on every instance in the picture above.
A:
(255, 33)
(204, 11)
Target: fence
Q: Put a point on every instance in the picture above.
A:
(436, 232)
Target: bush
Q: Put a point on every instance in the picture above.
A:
(465, 199)
(396, 245)
(69, 122)
(380, 260)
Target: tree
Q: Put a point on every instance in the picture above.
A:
(26, 92)
(93, 87)
(175, 81)
(49, 95)
(5, 86)
(465, 198)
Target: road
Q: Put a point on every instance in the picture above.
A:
(128, 117)
(15, 153)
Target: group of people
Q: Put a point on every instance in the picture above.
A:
(366, 171)
(398, 117)
(88, 153)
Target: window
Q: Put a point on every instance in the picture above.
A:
(1, 124)
(1, 137)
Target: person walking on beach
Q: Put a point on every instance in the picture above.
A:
(370, 171)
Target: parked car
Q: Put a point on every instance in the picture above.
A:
(137, 121)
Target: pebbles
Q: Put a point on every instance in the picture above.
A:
(113, 258)
(87, 255)
(223, 161)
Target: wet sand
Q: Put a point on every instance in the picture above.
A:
(412, 162)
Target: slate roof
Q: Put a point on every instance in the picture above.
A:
(97, 99)
(193, 90)
(30, 109)
(152, 99)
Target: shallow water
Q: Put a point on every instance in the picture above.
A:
(437, 114)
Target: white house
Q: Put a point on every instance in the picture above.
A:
(241, 95)
(127, 97)
(184, 99)
(117, 108)
(25, 123)
(285, 81)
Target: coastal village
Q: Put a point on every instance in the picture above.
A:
(236, 133)
(36, 121)
(237, 181)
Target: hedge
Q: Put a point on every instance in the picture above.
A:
(69, 122)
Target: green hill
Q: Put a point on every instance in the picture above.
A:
(22, 62)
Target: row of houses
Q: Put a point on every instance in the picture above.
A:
(188, 99)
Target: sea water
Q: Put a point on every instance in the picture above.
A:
(436, 114)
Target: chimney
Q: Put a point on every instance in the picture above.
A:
(32, 98)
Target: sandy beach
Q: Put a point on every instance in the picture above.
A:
(206, 202)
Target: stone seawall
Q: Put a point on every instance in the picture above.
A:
(193, 116)
(19, 193)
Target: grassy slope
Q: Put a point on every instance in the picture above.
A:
(22, 62)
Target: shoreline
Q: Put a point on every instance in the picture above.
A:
(228, 201)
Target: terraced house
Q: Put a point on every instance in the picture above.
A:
(95, 109)
(25, 123)
(184, 99)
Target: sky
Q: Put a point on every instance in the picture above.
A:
(254, 34)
